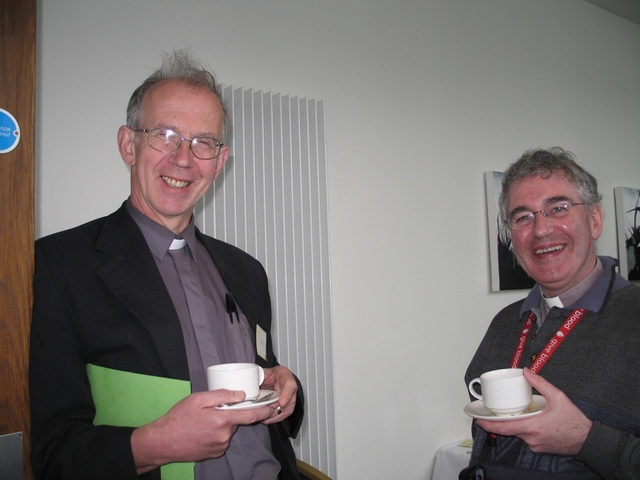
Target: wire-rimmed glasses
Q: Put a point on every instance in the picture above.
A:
(165, 140)
(521, 219)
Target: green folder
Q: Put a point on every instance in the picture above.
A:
(128, 399)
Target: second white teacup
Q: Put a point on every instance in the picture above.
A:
(236, 376)
(504, 392)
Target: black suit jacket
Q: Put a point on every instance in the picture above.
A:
(99, 298)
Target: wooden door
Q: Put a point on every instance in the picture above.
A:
(17, 96)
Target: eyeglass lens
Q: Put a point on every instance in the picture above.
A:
(167, 141)
(525, 219)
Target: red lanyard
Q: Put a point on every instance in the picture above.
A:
(546, 353)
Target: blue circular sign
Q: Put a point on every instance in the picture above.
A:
(9, 132)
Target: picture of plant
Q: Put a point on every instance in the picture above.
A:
(627, 202)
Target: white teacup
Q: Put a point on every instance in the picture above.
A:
(504, 392)
(236, 376)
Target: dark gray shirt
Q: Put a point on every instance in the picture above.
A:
(211, 337)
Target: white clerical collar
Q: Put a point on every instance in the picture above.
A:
(552, 301)
(177, 243)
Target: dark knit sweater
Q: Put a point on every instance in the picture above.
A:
(595, 367)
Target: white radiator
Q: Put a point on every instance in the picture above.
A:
(271, 201)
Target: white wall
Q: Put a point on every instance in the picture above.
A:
(422, 98)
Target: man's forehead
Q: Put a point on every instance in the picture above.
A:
(172, 99)
(175, 90)
(543, 188)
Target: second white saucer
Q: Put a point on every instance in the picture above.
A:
(477, 410)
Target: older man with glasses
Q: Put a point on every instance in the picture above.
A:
(130, 310)
(590, 426)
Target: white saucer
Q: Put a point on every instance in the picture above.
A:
(477, 410)
(252, 403)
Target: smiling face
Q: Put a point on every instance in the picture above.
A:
(556, 253)
(166, 186)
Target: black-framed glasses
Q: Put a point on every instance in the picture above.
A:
(165, 140)
(524, 219)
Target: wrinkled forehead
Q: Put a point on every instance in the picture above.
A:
(542, 189)
(181, 98)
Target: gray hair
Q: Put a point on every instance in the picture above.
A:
(545, 163)
(179, 65)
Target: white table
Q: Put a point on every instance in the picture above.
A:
(450, 459)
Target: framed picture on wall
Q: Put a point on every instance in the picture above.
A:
(506, 273)
(627, 201)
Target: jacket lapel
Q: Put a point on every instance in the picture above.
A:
(133, 277)
(247, 282)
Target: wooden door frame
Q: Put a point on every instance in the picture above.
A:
(17, 188)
